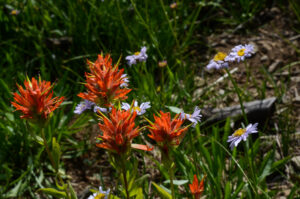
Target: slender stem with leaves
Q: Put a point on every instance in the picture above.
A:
(238, 92)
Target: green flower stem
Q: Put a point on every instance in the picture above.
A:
(123, 23)
(123, 168)
(168, 163)
(248, 72)
(171, 173)
(162, 82)
(53, 163)
(237, 90)
(246, 149)
(48, 151)
(154, 40)
(194, 154)
(169, 23)
(126, 183)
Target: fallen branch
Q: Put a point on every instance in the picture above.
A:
(257, 110)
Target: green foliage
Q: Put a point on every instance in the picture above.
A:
(295, 5)
(162, 191)
(53, 192)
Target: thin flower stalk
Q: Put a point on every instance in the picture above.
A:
(168, 134)
(238, 92)
(118, 131)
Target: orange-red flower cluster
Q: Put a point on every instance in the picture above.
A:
(103, 82)
(166, 132)
(196, 187)
(118, 132)
(35, 101)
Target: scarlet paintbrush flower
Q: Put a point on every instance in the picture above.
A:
(35, 101)
(197, 188)
(118, 132)
(104, 82)
(166, 132)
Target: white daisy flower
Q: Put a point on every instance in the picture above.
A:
(82, 106)
(241, 134)
(194, 118)
(218, 62)
(140, 110)
(103, 110)
(101, 194)
(240, 52)
(125, 79)
(137, 56)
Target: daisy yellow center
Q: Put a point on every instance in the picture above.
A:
(136, 108)
(137, 53)
(220, 56)
(241, 52)
(99, 196)
(14, 12)
(239, 132)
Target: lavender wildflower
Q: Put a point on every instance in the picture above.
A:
(241, 134)
(218, 62)
(140, 110)
(240, 52)
(137, 56)
(82, 106)
(194, 118)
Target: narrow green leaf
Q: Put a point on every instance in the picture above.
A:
(141, 179)
(293, 192)
(280, 163)
(53, 192)
(6, 88)
(227, 191)
(226, 131)
(39, 140)
(177, 182)
(174, 109)
(266, 166)
(56, 152)
(238, 189)
(139, 195)
(73, 193)
(162, 192)
(14, 191)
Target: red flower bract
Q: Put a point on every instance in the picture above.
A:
(118, 132)
(196, 187)
(35, 101)
(103, 82)
(166, 132)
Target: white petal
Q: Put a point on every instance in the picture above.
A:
(237, 141)
(145, 105)
(125, 106)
